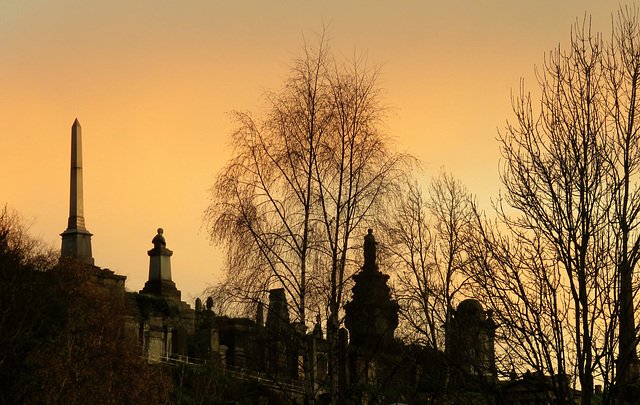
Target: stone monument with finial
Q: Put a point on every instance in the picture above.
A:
(371, 315)
(160, 282)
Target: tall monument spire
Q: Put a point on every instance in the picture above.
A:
(76, 240)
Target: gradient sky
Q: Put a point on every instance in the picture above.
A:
(152, 82)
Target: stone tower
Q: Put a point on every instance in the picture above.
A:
(371, 315)
(279, 336)
(160, 282)
(76, 240)
(278, 311)
(469, 340)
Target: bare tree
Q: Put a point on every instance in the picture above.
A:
(24, 307)
(63, 337)
(427, 239)
(263, 198)
(356, 172)
(516, 273)
(568, 173)
(304, 180)
(408, 247)
(622, 72)
(555, 175)
(572, 173)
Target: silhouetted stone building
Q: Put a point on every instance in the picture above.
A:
(371, 318)
(165, 324)
(469, 342)
(157, 317)
(168, 329)
(371, 315)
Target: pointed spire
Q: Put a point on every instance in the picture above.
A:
(76, 206)
(76, 240)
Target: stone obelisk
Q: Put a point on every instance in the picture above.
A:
(76, 240)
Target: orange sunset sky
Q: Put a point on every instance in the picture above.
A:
(152, 82)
